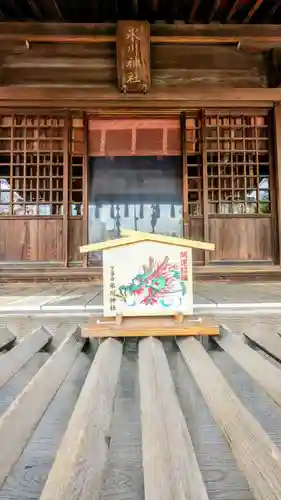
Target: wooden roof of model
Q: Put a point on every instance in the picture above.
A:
(130, 237)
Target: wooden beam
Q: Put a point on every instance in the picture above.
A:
(20, 420)
(160, 33)
(7, 338)
(214, 9)
(257, 456)
(109, 98)
(260, 369)
(15, 359)
(88, 432)
(170, 466)
(252, 11)
(232, 10)
(268, 342)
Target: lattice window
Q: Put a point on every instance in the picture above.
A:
(76, 168)
(31, 165)
(238, 164)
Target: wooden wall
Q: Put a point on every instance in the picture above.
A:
(241, 238)
(95, 65)
(31, 239)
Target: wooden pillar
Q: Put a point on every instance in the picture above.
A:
(185, 176)
(67, 142)
(276, 180)
(205, 184)
(85, 187)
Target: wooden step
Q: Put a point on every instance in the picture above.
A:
(19, 421)
(80, 462)
(257, 456)
(170, 466)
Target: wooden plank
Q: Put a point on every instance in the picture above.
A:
(257, 456)
(147, 327)
(15, 359)
(7, 338)
(169, 462)
(79, 297)
(261, 370)
(79, 474)
(268, 342)
(20, 420)
(133, 56)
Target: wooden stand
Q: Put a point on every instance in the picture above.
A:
(157, 326)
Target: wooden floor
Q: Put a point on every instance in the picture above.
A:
(42, 272)
(88, 297)
(166, 420)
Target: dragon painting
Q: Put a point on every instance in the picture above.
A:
(155, 284)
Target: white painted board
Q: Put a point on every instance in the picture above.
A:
(147, 279)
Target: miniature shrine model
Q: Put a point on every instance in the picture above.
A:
(147, 287)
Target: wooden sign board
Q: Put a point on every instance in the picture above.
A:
(133, 56)
(147, 279)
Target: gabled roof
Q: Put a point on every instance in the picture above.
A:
(129, 237)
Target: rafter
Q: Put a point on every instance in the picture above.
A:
(273, 9)
(14, 7)
(232, 10)
(193, 10)
(214, 9)
(57, 10)
(253, 10)
(35, 9)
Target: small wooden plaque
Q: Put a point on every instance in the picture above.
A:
(133, 56)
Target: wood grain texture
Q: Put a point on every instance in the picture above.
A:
(267, 341)
(15, 359)
(78, 469)
(174, 33)
(20, 420)
(169, 462)
(31, 240)
(257, 456)
(241, 238)
(261, 370)
(133, 56)
(147, 327)
(7, 338)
